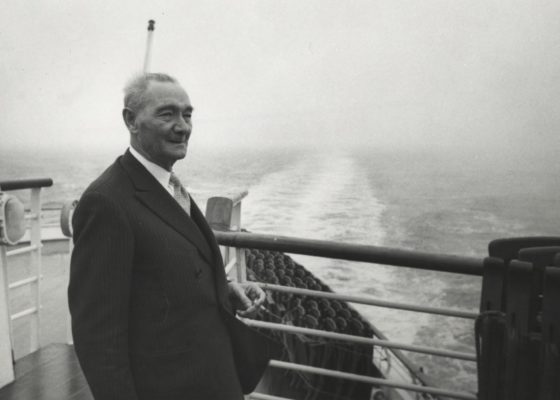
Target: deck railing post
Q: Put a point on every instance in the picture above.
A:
(223, 213)
(69, 336)
(6, 343)
(241, 270)
(241, 266)
(66, 213)
(36, 265)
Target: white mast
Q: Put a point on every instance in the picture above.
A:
(151, 28)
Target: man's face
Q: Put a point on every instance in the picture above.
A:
(161, 129)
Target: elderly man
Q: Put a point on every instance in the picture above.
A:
(152, 312)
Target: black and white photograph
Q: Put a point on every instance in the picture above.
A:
(280, 200)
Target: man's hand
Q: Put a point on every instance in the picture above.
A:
(246, 297)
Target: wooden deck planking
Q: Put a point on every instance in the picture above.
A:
(52, 373)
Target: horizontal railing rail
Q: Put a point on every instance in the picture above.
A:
(449, 312)
(362, 340)
(25, 184)
(372, 380)
(353, 252)
(24, 250)
(262, 396)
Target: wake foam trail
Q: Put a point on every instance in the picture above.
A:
(322, 196)
(329, 197)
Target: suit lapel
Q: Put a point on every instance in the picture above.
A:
(150, 192)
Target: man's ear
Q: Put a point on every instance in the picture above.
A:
(129, 118)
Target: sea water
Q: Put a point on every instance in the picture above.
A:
(429, 201)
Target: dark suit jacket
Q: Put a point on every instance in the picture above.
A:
(148, 296)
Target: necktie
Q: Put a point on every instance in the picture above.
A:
(181, 194)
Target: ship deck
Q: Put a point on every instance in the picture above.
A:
(51, 373)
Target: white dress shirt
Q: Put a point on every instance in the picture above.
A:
(161, 174)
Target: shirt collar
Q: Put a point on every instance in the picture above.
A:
(161, 174)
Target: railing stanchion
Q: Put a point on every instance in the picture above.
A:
(6, 340)
(69, 337)
(66, 213)
(223, 213)
(241, 265)
(36, 265)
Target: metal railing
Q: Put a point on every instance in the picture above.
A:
(34, 249)
(236, 242)
(353, 252)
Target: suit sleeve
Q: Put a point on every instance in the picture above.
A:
(98, 295)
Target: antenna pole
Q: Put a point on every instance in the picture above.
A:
(151, 28)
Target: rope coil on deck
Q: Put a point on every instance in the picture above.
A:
(311, 313)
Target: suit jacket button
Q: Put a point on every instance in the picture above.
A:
(198, 273)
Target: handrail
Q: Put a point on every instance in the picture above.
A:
(25, 184)
(353, 252)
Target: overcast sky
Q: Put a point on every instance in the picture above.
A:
(435, 73)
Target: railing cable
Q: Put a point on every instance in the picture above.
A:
(372, 380)
(372, 301)
(360, 339)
